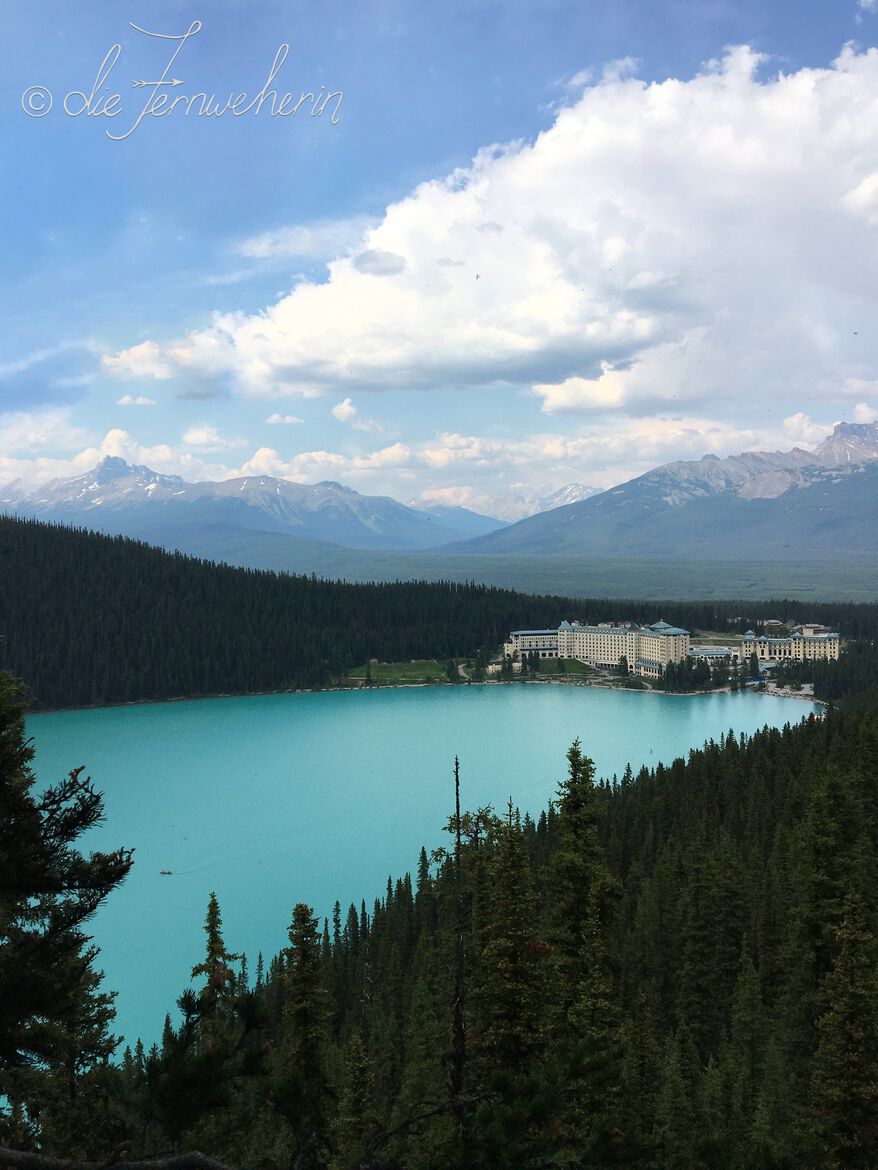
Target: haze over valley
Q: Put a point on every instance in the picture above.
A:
(811, 510)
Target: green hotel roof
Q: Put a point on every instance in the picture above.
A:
(656, 630)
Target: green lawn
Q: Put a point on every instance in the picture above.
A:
(572, 667)
(715, 638)
(421, 670)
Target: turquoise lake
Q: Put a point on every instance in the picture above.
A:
(273, 800)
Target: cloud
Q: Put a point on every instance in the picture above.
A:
(799, 428)
(472, 469)
(863, 198)
(208, 438)
(606, 452)
(131, 400)
(320, 240)
(681, 241)
(235, 276)
(48, 428)
(575, 395)
(34, 470)
(377, 262)
(72, 381)
(47, 375)
(145, 360)
(276, 419)
(863, 413)
(21, 365)
(860, 387)
(308, 466)
(868, 5)
(475, 468)
(346, 412)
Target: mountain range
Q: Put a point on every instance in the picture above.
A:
(762, 505)
(783, 506)
(136, 501)
(516, 505)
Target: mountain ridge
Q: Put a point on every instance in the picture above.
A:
(761, 505)
(714, 506)
(133, 499)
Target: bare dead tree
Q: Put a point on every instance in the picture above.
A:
(458, 1001)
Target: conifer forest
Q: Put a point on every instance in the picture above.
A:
(668, 970)
(91, 619)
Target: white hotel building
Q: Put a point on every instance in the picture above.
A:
(648, 650)
(804, 645)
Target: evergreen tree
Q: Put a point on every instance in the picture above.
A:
(54, 1020)
(844, 1081)
(217, 996)
(356, 1121)
(302, 1088)
(579, 885)
(509, 995)
(587, 1031)
(678, 1113)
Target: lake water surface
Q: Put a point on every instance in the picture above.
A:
(272, 800)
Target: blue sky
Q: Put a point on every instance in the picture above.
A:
(665, 247)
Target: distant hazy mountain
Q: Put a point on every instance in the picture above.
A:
(11, 492)
(517, 505)
(461, 519)
(762, 505)
(137, 501)
(572, 493)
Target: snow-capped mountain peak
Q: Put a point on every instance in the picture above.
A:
(116, 496)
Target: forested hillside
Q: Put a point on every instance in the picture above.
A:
(87, 618)
(674, 970)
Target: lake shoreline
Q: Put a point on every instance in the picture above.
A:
(578, 682)
(269, 802)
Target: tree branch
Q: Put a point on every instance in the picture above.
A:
(456, 1105)
(22, 1160)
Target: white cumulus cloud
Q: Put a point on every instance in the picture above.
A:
(145, 360)
(135, 400)
(208, 438)
(277, 420)
(799, 428)
(48, 429)
(346, 412)
(708, 239)
(323, 239)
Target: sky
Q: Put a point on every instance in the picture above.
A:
(444, 251)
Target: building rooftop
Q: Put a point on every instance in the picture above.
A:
(751, 637)
(662, 629)
(656, 630)
(601, 629)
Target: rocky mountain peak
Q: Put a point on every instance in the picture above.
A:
(111, 467)
(849, 443)
(335, 486)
